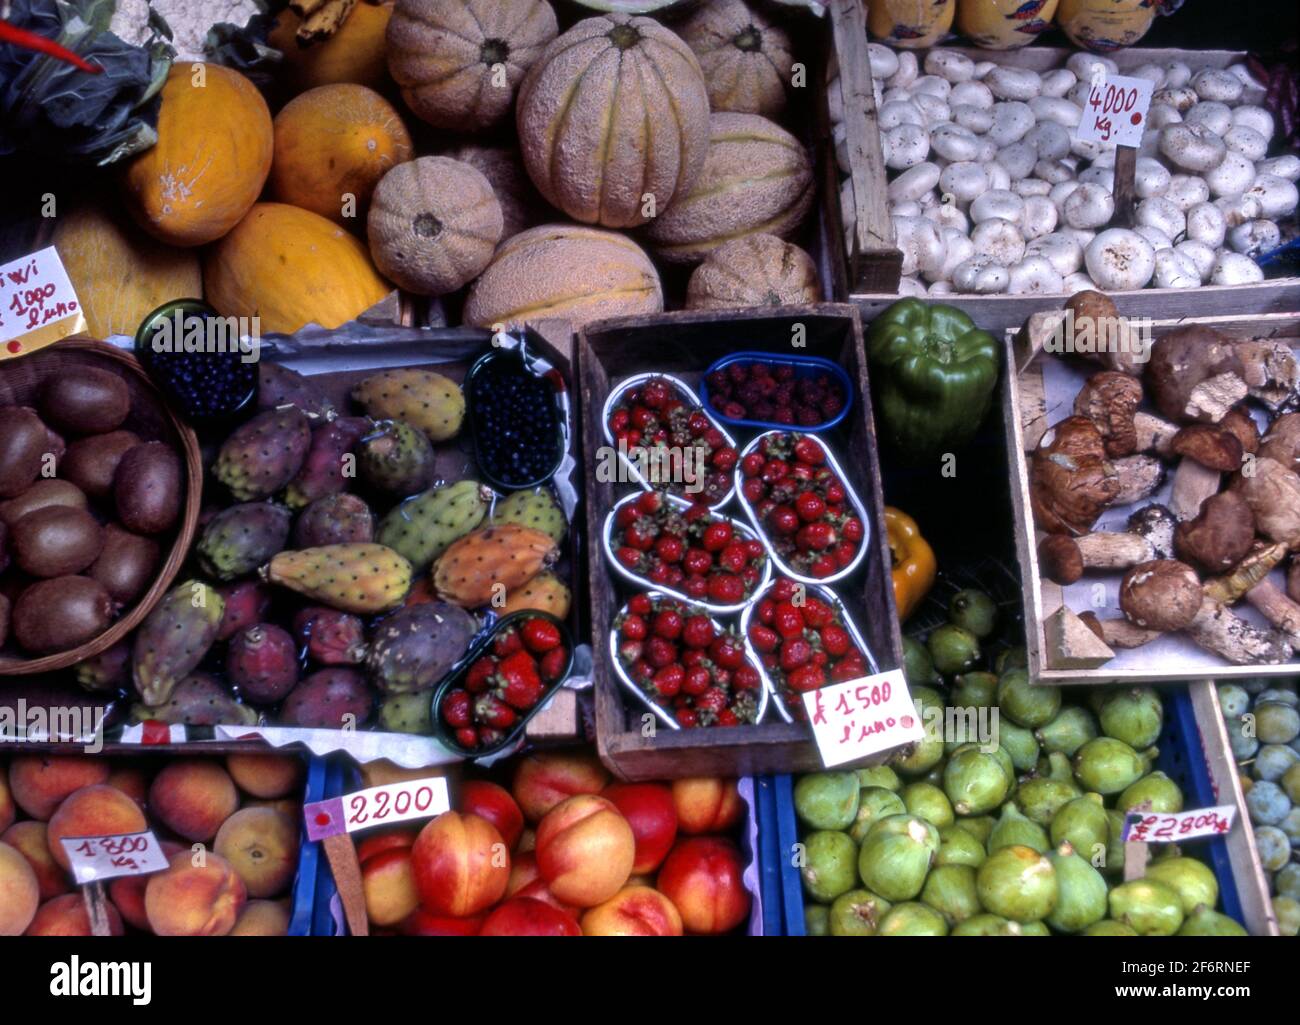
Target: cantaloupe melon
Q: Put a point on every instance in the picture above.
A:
(757, 178)
(757, 270)
(613, 121)
(745, 57)
(521, 206)
(563, 270)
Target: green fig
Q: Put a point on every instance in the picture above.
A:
(1025, 703)
(1109, 927)
(927, 801)
(1041, 798)
(952, 649)
(1083, 824)
(1034, 929)
(875, 804)
(974, 690)
(828, 864)
(1019, 883)
(927, 752)
(974, 611)
(896, 856)
(1192, 880)
(1019, 743)
(978, 826)
(1154, 792)
(1072, 727)
(918, 667)
(913, 919)
(1208, 922)
(857, 913)
(950, 890)
(1057, 766)
(827, 800)
(1107, 766)
(878, 776)
(816, 920)
(1012, 658)
(1133, 715)
(1287, 910)
(1081, 891)
(1013, 829)
(1149, 906)
(958, 847)
(987, 925)
(976, 782)
(1114, 841)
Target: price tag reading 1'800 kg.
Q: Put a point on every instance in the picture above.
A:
(96, 858)
(861, 717)
(377, 806)
(1149, 827)
(1116, 110)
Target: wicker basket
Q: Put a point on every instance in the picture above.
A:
(152, 420)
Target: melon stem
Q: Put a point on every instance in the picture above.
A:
(749, 39)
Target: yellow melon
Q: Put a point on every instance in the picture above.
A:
(910, 23)
(354, 53)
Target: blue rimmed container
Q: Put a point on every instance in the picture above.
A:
(311, 866)
(804, 367)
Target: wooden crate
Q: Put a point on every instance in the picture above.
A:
(1026, 418)
(684, 344)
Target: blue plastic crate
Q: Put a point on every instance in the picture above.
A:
(309, 857)
(1182, 759)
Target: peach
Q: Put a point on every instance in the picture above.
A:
(524, 916)
(127, 892)
(98, 810)
(262, 847)
(189, 899)
(421, 923)
(131, 781)
(544, 780)
(702, 877)
(649, 810)
(39, 783)
(67, 916)
(585, 850)
(7, 810)
(192, 797)
(706, 804)
(633, 911)
(494, 803)
(461, 865)
(523, 870)
(265, 776)
(401, 837)
(262, 918)
(538, 890)
(20, 892)
(29, 839)
(389, 886)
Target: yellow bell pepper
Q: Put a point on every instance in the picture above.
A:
(913, 558)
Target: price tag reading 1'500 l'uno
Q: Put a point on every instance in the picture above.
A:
(1149, 827)
(377, 806)
(1116, 110)
(860, 717)
(95, 858)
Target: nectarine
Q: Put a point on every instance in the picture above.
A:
(649, 810)
(7, 810)
(265, 776)
(544, 780)
(461, 865)
(706, 804)
(29, 839)
(131, 781)
(389, 886)
(262, 918)
(188, 899)
(494, 803)
(585, 850)
(20, 892)
(262, 847)
(633, 911)
(192, 797)
(703, 878)
(67, 916)
(524, 916)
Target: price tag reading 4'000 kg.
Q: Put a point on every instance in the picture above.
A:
(96, 858)
(1116, 110)
(1148, 827)
(378, 806)
(860, 717)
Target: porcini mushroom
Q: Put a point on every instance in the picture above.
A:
(1162, 594)
(1155, 523)
(1195, 374)
(1119, 633)
(1293, 580)
(1096, 312)
(1243, 425)
(1070, 481)
(1270, 371)
(1278, 609)
(1063, 559)
(1110, 399)
(1221, 534)
(1273, 494)
(1282, 442)
(1139, 477)
(1207, 451)
(1217, 629)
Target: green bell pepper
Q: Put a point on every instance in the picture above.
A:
(934, 374)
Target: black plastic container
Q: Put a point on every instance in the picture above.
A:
(494, 369)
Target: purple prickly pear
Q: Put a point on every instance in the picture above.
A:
(264, 454)
(415, 647)
(331, 637)
(279, 386)
(334, 520)
(326, 469)
(198, 700)
(325, 700)
(174, 638)
(241, 538)
(247, 604)
(262, 662)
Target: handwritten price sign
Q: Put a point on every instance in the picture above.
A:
(860, 717)
(96, 858)
(1145, 827)
(37, 303)
(377, 806)
(1116, 110)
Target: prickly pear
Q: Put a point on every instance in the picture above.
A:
(545, 592)
(407, 713)
(537, 509)
(247, 603)
(198, 700)
(422, 527)
(264, 454)
(174, 638)
(414, 648)
(279, 386)
(110, 670)
(241, 538)
(329, 699)
(396, 458)
(262, 662)
(361, 578)
(331, 637)
(429, 401)
(329, 464)
(334, 520)
(470, 572)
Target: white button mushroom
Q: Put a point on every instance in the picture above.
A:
(932, 84)
(1181, 99)
(1013, 83)
(1019, 159)
(908, 285)
(1150, 178)
(1160, 213)
(999, 177)
(1234, 175)
(1061, 191)
(1253, 90)
(1011, 122)
(1277, 195)
(1039, 217)
(974, 119)
(1254, 238)
(949, 64)
(908, 146)
(1258, 118)
(1063, 252)
(1079, 282)
(1192, 147)
(936, 111)
(997, 203)
(1235, 269)
(1206, 223)
(1049, 140)
(1026, 187)
(1245, 140)
(1089, 206)
(964, 180)
(884, 61)
(1286, 166)
(1161, 114)
(1153, 73)
(1086, 149)
(941, 288)
(1098, 175)
(1120, 260)
(988, 151)
(1174, 270)
(1058, 83)
(982, 68)
(1177, 74)
(957, 249)
(971, 94)
(1186, 190)
(915, 182)
(1082, 63)
(905, 208)
(1054, 172)
(1201, 255)
(952, 142)
(1033, 275)
(907, 71)
(899, 112)
(1215, 116)
(1239, 209)
(1082, 237)
(1157, 239)
(1215, 85)
(980, 275)
(999, 240)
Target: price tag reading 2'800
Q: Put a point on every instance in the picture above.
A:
(1149, 827)
(1116, 110)
(377, 806)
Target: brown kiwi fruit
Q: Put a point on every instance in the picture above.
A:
(23, 443)
(4, 546)
(126, 564)
(56, 542)
(91, 462)
(55, 615)
(147, 488)
(44, 494)
(86, 400)
(4, 620)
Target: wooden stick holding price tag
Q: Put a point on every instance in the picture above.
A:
(1116, 112)
(93, 859)
(96, 909)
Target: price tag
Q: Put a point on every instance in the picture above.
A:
(857, 718)
(377, 806)
(37, 304)
(1116, 110)
(1148, 827)
(96, 858)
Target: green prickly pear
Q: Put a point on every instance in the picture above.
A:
(174, 637)
(241, 538)
(426, 525)
(396, 458)
(407, 713)
(360, 578)
(537, 509)
(264, 454)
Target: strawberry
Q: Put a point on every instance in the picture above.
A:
(724, 458)
(836, 640)
(834, 491)
(456, 708)
(717, 536)
(640, 604)
(626, 516)
(763, 638)
(491, 711)
(815, 537)
(851, 529)
(810, 507)
(733, 558)
(668, 681)
(697, 587)
(640, 535)
(507, 643)
(785, 589)
(816, 613)
(539, 635)
(727, 718)
(845, 553)
(697, 681)
(551, 667)
(746, 677)
(661, 573)
(794, 653)
(727, 652)
(825, 566)
(649, 503)
(713, 700)
(660, 652)
(726, 589)
(789, 621)
(467, 737)
(808, 450)
(629, 557)
(753, 489)
(697, 632)
(687, 718)
(519, 686)
(480, 675)
(697, 560)
(667, 624)
(669, 548)
(655, 393)
(752, 464)
(633, 627)
(805, 679)
(629, 651)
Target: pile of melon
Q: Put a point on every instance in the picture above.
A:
(475, 149)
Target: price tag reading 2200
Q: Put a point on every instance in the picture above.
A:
(377, 806)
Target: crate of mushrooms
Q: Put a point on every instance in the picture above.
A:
(1156, 481)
